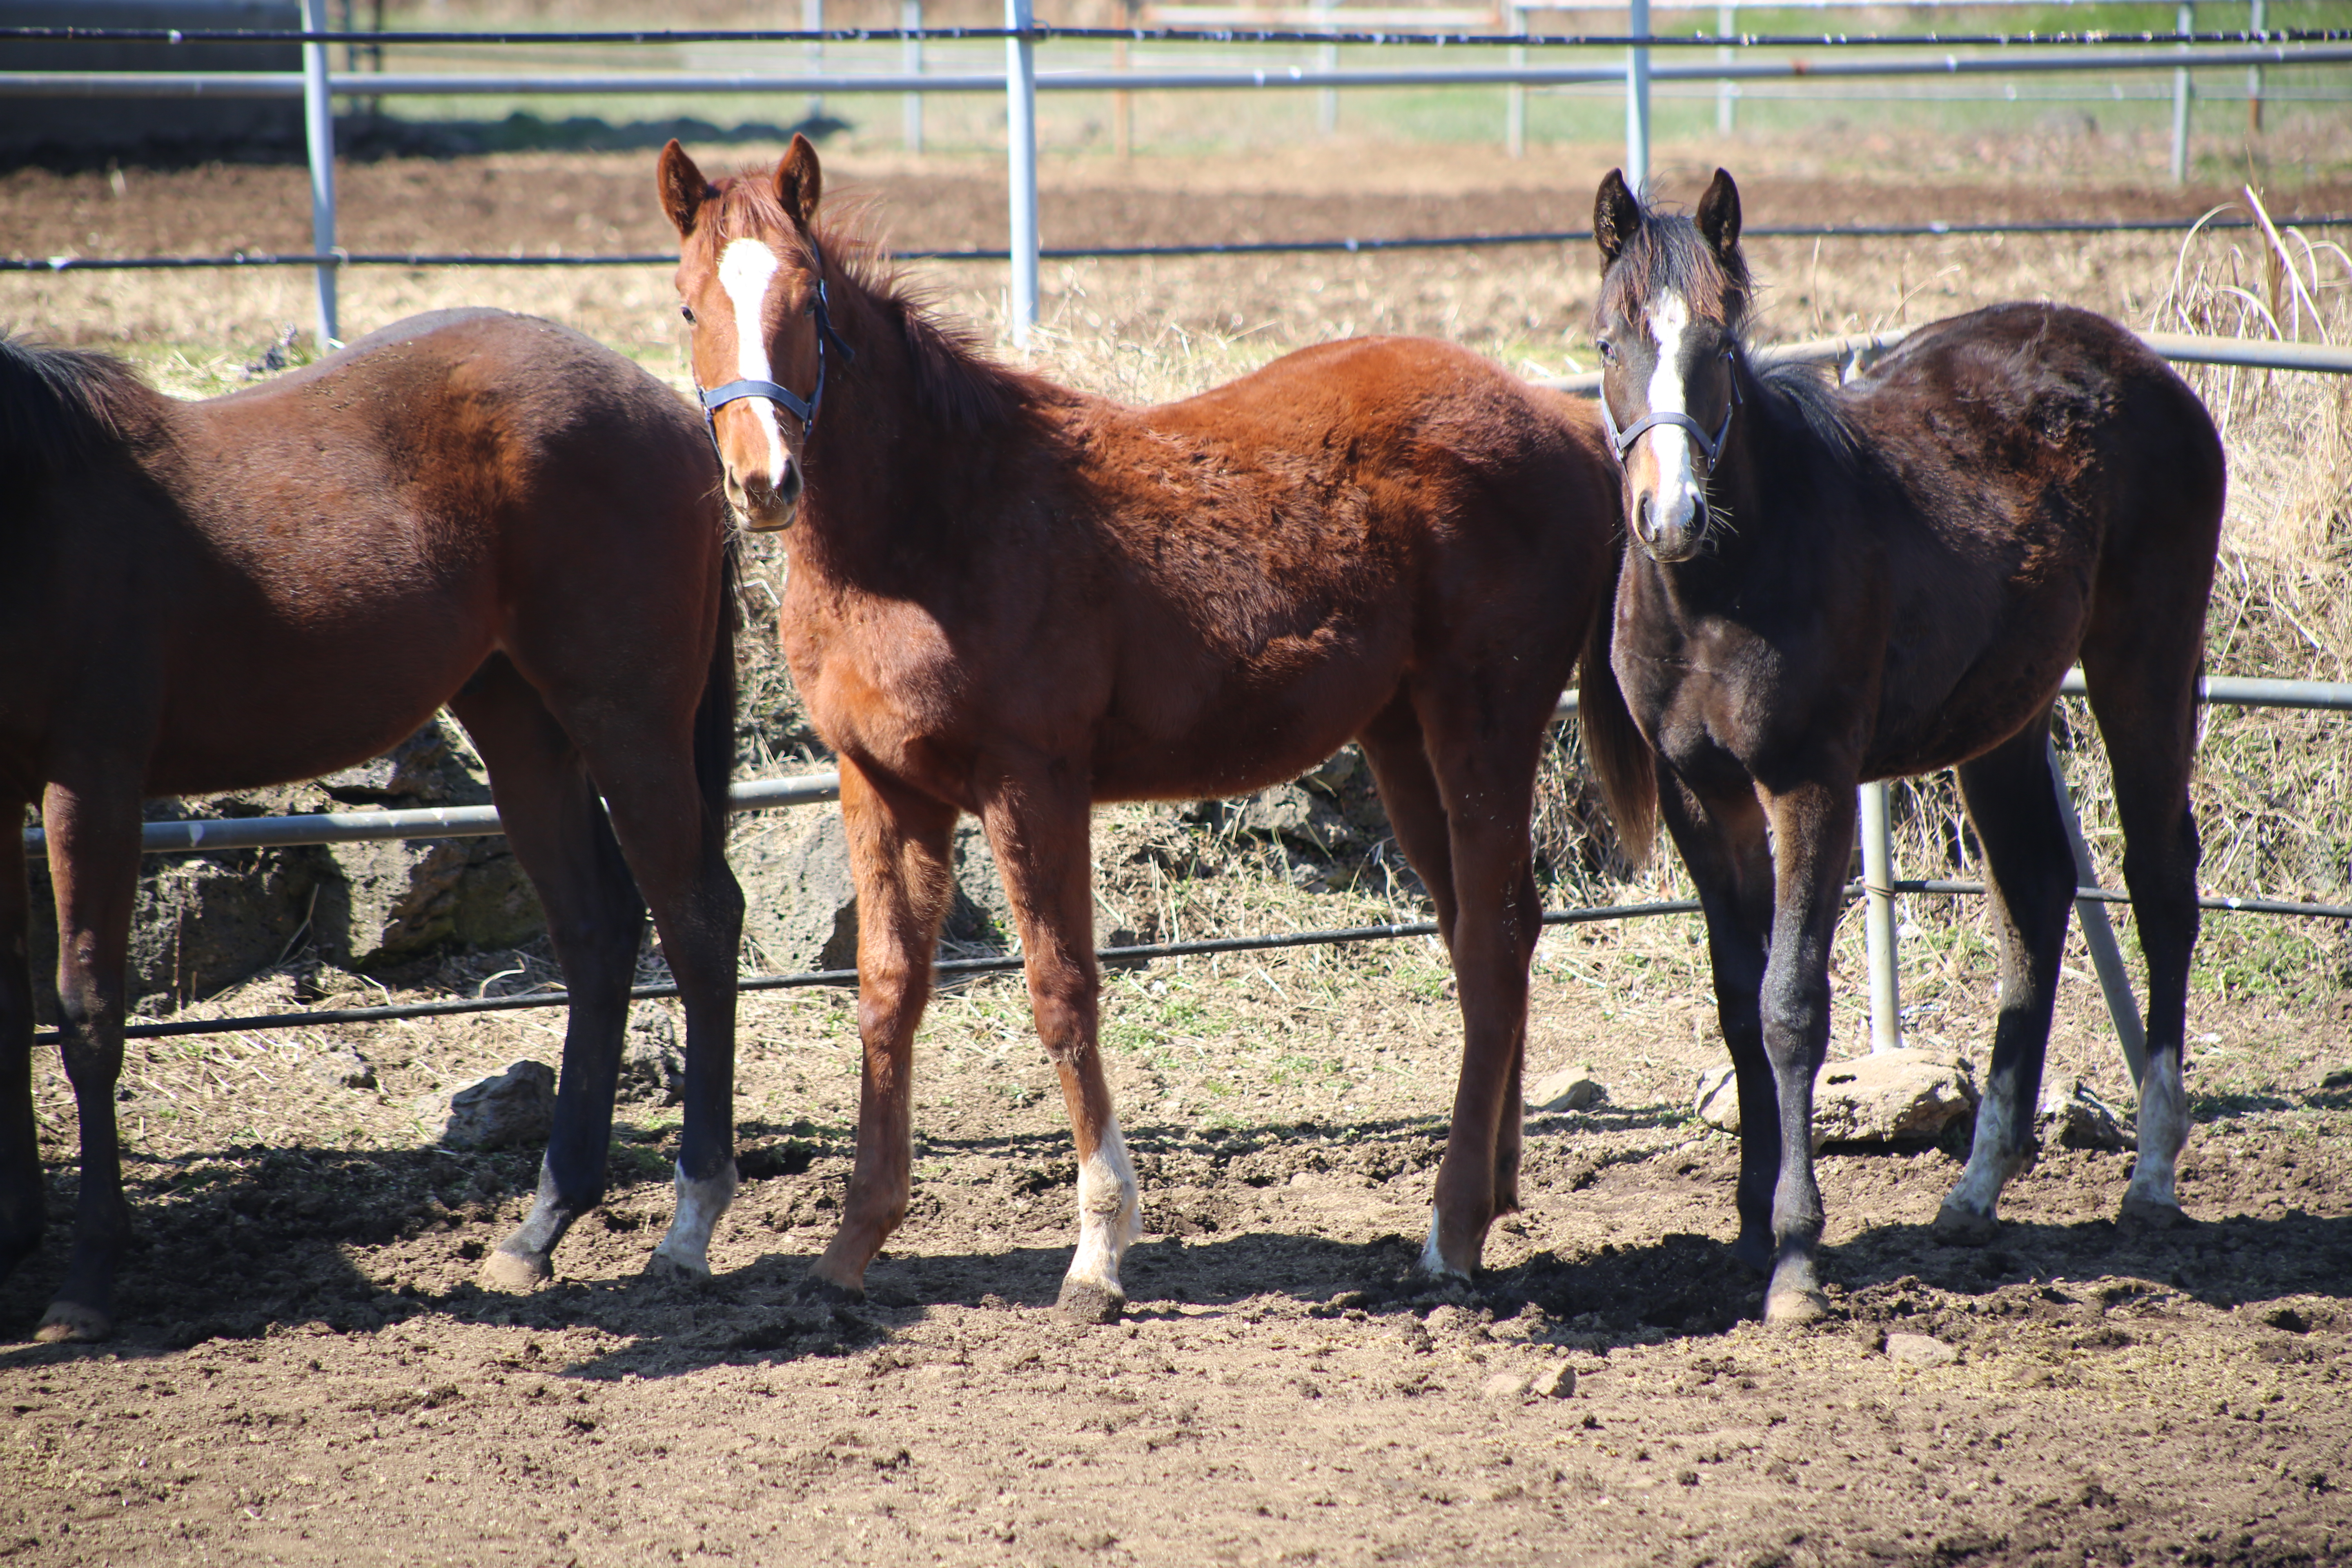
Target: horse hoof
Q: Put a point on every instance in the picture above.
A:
(661, 1265)
(1958, 1227)
(2146, 1214)
(1794, 1307)
(69, 1323)
(514, 1273)
(1089, 1303)
(820, 1291)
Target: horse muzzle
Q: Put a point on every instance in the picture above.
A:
(1673, 529)
(766, 508)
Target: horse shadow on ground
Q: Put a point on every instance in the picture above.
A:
(239, 1242)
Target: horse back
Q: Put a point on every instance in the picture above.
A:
(350, 542)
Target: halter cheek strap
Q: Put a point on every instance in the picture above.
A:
(804, 410)
(1710, 445)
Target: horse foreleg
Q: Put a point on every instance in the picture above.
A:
(2030, 874)
(1812, 843)
(899, 843)
(1724, 845)
(93, 840)
(1037, 827)
(595, 920)
(24, 1207)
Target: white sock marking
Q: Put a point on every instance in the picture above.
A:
(2163, 1133)
(746, 269)
(1677, 499)
(1110, 1212)
(699, 1205)
(1432, 1261)
(1993, 1158)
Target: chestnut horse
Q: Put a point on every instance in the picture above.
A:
(1833, 585)
(468, 507)
(1014, 600)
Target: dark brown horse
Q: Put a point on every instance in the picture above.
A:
(1833, 585)
(468, 507)
(1014, 600)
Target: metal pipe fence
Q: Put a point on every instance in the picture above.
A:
(1021, 82)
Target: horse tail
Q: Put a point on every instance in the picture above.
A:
(1613, 743)
(714, 719)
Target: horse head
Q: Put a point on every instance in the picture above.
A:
(751, 283)
(1674, 297)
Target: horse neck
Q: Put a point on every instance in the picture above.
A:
(887, 463)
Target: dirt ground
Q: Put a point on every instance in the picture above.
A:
(306, 1372)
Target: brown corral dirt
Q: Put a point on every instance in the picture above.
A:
(306, 1373)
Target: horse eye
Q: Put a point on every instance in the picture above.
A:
(1608, 351)
(688, 311)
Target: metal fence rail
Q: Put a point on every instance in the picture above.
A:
(2178, 52)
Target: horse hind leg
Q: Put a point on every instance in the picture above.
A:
(1460, 793)
(2146, 715)
(676, 850)
(2031, 878)
(595, 919)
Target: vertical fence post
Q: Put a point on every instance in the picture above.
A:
(319, 127)
(1326, 55)
(813, 52)
(1021, 152)
(2106, 957)
(2254, 78)
(1637, 96)
(1514, 96)
(2188, 24)
(1122, 103)
(910, 60)
(1727, 93)
(1878, 923)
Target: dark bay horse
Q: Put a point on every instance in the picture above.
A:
(468, 507)
(1827, 585)
(1014, 600)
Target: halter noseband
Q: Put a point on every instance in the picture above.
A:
(719, 397)
(1711, 445)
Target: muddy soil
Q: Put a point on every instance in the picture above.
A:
(307, 1372)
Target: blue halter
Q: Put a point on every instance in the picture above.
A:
(719, 397)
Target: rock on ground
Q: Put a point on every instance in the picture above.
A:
(1568, 1089)
(518, 1105)
(1919, 1349)
(2072, 1117)
(1887, 1097)
(652, 1066)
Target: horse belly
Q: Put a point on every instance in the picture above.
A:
(282, 701)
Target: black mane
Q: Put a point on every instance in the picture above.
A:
(59, 408)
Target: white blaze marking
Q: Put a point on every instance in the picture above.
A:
(1109, 1215)
(1677, 497)
(699, 1205)
(745, 269)
(1993, 1159)
(2163, 1129)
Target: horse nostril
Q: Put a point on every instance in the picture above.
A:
(789, 492)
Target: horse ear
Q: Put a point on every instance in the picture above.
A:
(1616, 214)
(800, 183)
(683, 188)
(1719, 214)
